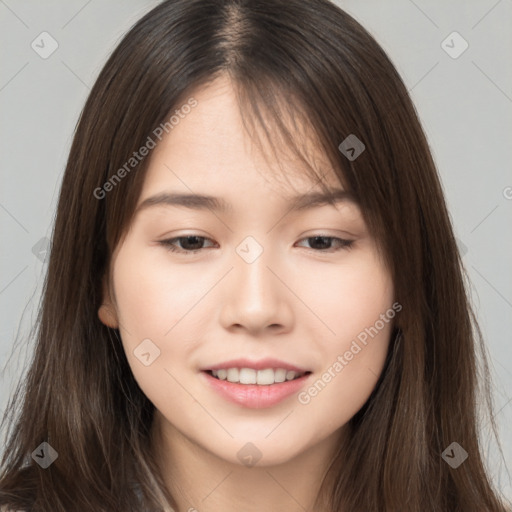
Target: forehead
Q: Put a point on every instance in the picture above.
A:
(212, 146)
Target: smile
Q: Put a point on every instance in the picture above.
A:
(264, 377)
(255, 389)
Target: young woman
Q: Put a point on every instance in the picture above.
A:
(254, 299)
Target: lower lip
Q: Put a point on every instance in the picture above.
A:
(255, 396)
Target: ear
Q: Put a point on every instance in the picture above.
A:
(107, 311)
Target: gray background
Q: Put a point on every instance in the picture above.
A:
(465, 105)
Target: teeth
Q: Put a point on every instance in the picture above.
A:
(264, 377)
(233, 374)
(247, 376)
(280, 375)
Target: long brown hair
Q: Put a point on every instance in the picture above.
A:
(302, 60)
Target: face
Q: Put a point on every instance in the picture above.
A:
(255, 293)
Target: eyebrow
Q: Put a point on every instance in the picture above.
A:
(205, 202)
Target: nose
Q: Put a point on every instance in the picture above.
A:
(257, 298)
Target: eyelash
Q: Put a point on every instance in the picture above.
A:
(168, 244)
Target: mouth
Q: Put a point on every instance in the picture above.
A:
(255, 389)
(262, 377)
(255, 384)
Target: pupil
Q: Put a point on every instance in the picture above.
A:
(188, 238)
(325, 239)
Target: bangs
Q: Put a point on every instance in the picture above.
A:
(284, 131)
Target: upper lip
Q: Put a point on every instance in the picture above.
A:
(261, 364)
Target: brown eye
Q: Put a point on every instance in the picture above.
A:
(325, 243)
(189, 244)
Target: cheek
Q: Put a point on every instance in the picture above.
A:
(152, 297)
(352, 367)
(348, 297)
(154, 308)
(356, 304)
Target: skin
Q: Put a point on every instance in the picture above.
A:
(294, 302)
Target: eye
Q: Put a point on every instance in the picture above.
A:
(192, 244)
(323, 241)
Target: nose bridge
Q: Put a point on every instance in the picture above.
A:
(257, 298)
(254, 279)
